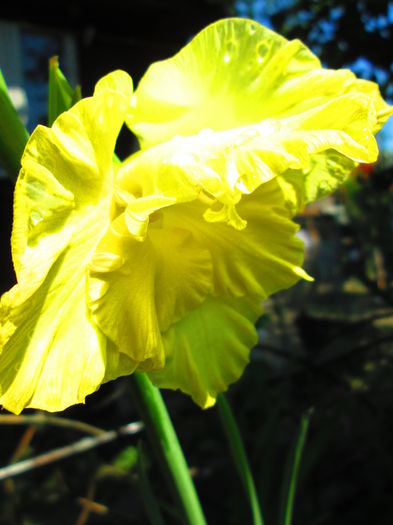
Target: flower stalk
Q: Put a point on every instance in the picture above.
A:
(166, 446)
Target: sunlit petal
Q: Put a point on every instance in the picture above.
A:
(137, 289)
(237, 73)
(52, 354)
(264, 257)
(209, 349)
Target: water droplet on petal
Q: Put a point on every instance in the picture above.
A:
(262, 50)
(252, 28)
(230, 50)
(35, 218)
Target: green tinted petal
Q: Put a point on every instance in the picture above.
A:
(117, 363)
(209, 349)
(326, 172)
(264, 257)
(325, 156)
(137, 288)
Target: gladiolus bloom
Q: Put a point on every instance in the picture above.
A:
(160, 263)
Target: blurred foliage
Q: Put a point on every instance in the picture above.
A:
(340, 32)
(369, 200)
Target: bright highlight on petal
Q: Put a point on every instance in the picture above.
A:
(160, 262)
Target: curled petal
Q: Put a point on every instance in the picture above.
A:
(264, 257)
(137, 289)
(209, 349)
(225, 165)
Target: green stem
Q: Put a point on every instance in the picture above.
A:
(239, 456)
(164, 440)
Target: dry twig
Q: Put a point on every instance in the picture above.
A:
(84, 444)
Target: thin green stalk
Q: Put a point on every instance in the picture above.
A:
(239, 456)
(292, 471)
(165, 443)
(150, 503)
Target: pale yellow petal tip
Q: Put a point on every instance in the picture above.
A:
(208, 403)
(302, 274)
(118, 81)
(385, 113)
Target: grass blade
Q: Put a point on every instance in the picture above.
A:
(239, 457)
(291, 472)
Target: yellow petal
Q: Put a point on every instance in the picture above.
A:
(209, 349)
(344, 124)
(225, 165)
(236, 73)
(371, 91)
(218, 81)
(117, 81)
(137, 289)
(260, 259)
(65, 170)
(52, 354)
(117, 363)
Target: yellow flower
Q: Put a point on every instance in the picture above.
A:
(160, 263)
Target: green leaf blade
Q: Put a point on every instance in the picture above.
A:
(61, 96)
(13, 134)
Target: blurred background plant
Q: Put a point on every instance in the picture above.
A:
(327, 344)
